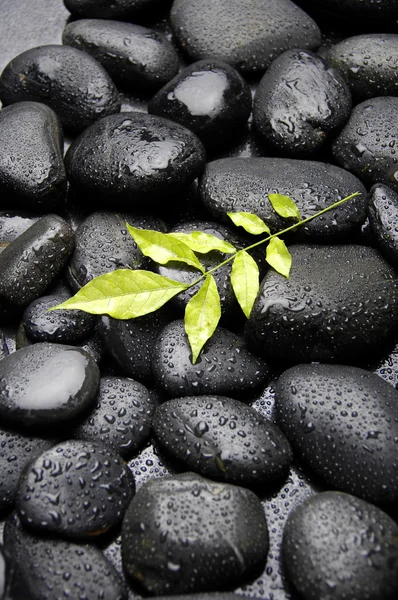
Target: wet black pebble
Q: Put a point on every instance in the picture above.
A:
(247, 34)
(32, 262)
(47, 383)
(300, 103)
(186, 534)
(343, 422)
(339, 305)
(338, 546)
(223, 439)
(68, 80)
(209, 97)
(49, 569)
(77, 489)
(121, 417)
(103, 9)
(383, 218)
(367, 144)
(242, 184)
(224, 367)
(134, 159)
(32, 172)
(135, 57)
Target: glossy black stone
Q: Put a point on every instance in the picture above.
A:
(210, 98)
(32, 172)
(134, 159)
(300, 103)
(247, 34)
(339, 305)
(68, 80)
(135, 57)
(103, 9)
(46, 383)
(77, 489)
(383, 218)
(337, 546)
(201, 535)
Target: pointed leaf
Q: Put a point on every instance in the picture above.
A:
(163, 247)
(124, 294)
(284, 206)
(202, 242)
(250, 223)
(278, 256)
(202, 314)
(245, 281)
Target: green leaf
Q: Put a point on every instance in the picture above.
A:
(202, 314)
(202, 242)
(163, 247)
(278, 256)
(245, 281)
(284, 206)
(124, 294)
(250, 223)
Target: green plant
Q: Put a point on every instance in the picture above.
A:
(127, 294)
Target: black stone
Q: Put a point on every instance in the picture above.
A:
(13, 223)
(383, 218)
(103, 9)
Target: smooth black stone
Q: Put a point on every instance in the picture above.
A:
(121, 417)
(47, 568)
(209, 97)
(337, 546)
(223, 439)
(224, 367)
(368, 63)
(339, 305)
(68, 80)
(366, 146)
(383, 218)
(134, 159)
(201, 535)
(247, 34)
(134, 56)
(103, 244)
(103, 9)
(32, 262)
(13, 223)
(300, 103)
(32, 172)
(242, 184)
(343, 423)
(77, 489)
(46, 383)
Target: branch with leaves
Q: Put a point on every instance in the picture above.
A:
(127, 294)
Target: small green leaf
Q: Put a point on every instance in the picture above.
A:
(284, 206)
(124, 294)
(202, 242)
(245, 281)
(202, 314)
(250, 223)
(278, 256)
(163, 247)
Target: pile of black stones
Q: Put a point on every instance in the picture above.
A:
(269, 469)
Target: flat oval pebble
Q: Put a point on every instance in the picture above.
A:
(121, 417)
(209, 97)
(366, 146)
(32, 172)
(103, 9)
(339, 305)
(223, 439)
(186, 534)
(77, 489)
(300, 103)
(343, 423)
(247, 34)
(224, 367)
(242, 184)
(134, 159)
(68, 80)
(46, 383)
(134, 56)
(338, 546)
(383, 219)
